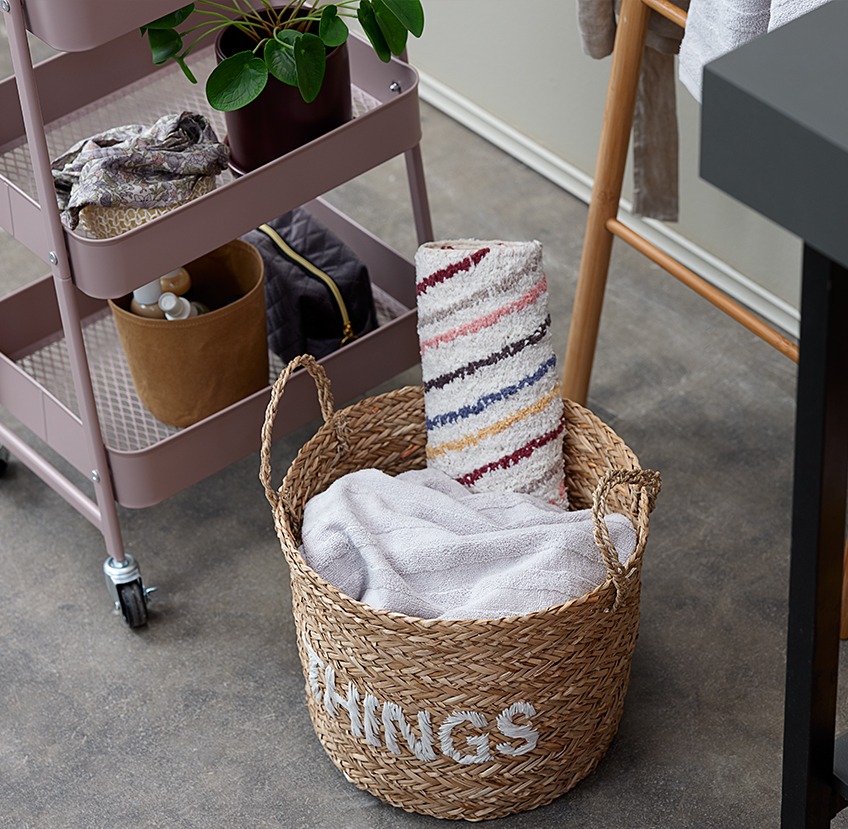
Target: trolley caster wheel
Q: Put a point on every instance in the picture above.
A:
(4, 460)
(133, 603)
(130, 596)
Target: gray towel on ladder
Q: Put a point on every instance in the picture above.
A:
(655, 136)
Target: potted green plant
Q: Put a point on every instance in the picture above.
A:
(285, 51)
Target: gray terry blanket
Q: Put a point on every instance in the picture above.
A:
(424, 545)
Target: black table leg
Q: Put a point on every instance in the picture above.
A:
(810, 797)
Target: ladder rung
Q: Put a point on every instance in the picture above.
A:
(712, 294)
(668, 10)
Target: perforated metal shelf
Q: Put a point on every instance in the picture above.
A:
(142, 102)
(116, 84)
(126, 424)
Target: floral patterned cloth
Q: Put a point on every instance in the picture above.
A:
(138, 166)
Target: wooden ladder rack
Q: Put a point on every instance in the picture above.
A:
(603, 224)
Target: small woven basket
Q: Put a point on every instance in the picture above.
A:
(106, 222)
(470, 719)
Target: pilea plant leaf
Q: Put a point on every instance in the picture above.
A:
(236, 81)
(287, 36)
(410, 13)
(332, 29)
(310, 57)
(393, 30)
(296, 57)
(164, 44)
(184, 66)
(172, 20)
(368, 20)
(279, 58)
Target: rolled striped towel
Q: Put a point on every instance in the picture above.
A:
(495, 418)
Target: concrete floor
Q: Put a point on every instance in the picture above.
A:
(198, 720)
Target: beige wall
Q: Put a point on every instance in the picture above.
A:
(521, 64)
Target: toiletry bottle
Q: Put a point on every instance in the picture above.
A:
(176, 307)
(145, 301)
(176, 282)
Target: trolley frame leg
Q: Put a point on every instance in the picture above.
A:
(66, 295)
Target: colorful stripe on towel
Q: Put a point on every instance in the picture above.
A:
(509, 350)
(492, 403)
(483, 403)
(487, 320)
(450, 270)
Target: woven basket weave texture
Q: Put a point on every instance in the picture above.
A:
(519, 709)
(106, 222)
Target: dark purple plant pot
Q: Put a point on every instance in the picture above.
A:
(279, 120)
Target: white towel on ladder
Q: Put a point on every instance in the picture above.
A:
(715, 27)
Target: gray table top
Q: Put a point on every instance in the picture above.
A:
(774, 127)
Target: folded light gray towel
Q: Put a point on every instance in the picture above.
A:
(423, 545)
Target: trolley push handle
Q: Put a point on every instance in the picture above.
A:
(325, 400)
(649, 484)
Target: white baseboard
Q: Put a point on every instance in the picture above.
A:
(574, 181)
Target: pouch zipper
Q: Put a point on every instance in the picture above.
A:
(348, 333)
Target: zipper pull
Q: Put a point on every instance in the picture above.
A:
(348, 333)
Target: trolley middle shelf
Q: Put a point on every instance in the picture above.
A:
(150, 461)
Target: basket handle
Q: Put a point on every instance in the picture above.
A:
(325, 399)
(649, 484)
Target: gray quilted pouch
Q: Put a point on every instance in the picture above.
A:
(317, 291)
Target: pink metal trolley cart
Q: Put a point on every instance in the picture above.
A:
(63, 377)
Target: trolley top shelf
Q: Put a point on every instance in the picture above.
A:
(84, 93)
(77, 25)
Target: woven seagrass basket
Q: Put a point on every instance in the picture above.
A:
(105, 222)
(471, 719)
